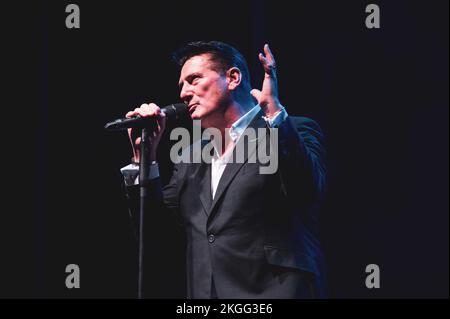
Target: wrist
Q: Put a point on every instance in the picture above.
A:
(134, 161)
(273, 110)
(152, 161)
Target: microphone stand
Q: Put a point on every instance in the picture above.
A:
(144, 167)
(172, 110)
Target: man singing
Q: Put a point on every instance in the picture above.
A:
(249, 235)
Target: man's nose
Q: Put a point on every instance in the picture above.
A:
(186, 94)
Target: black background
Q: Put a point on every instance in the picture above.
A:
(380, 95)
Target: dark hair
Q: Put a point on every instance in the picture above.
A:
(223, 55)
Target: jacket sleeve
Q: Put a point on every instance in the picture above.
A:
(301, 159)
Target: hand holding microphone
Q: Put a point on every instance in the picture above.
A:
(146, 111)
(146, 121)
(147, 116)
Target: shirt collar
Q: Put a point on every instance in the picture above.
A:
(236, 130)
(238, 127)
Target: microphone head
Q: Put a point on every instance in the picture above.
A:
(175, 110)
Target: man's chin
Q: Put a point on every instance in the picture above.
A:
(196, 115)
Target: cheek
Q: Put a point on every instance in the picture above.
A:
(215, 92)
(211, 92)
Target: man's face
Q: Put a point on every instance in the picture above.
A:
(203, 89)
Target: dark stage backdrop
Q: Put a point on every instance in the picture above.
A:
(380, 96)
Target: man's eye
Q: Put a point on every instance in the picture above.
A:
(194, 79)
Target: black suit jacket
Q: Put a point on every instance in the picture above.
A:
(258, 238)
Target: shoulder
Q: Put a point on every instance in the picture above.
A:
(300, 121)
(305, 126)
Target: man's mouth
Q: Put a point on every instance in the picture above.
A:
(192, 107)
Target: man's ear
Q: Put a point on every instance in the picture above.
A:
(234, 78)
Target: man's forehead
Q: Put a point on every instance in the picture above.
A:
(204, 58)
(195, 64)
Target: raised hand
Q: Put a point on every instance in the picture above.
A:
(267, 97)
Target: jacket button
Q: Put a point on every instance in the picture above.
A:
(211, 238)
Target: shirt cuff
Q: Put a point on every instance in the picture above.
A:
(131, 173)
(277, 119)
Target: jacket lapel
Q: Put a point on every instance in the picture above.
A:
(203, 182)
(249, 147)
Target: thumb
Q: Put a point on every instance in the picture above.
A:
(161, 121)
(256, 94)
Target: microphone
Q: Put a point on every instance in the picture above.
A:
(171, 111)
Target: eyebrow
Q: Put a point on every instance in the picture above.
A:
(188, 78)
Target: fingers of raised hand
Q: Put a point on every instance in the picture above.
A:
(269, 55)
(268, 61)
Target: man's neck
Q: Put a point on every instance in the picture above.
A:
(232, 113)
